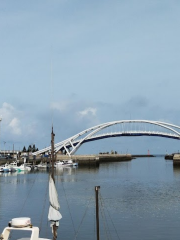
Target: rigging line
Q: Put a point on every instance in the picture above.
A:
(75, 237)
(24, 203)
(113, 224)
(43, 207)
(106, 227)
(47, 227)
(68, 208)
(28, 195)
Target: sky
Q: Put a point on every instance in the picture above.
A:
(77, 64)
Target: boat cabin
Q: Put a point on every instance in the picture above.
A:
(21, 224)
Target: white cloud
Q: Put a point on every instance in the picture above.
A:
(62, 106)
(15, 126)
(6, 111)
(10, 120)
(88, 111)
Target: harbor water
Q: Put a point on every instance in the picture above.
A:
(139, 199)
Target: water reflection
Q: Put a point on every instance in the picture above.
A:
(8, 174)
(176, 170)
(141, 197)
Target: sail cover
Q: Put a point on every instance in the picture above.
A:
(54, 215)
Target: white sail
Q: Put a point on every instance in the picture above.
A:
(54, 215)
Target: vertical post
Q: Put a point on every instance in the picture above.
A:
(52, 153)
(97, 211)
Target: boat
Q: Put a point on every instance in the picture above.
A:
(42, 165)
(23, 167)
(6, 168)
(65, 163)
(14, 165)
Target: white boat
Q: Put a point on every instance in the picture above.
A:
(6, 168)
(23, 167)
(65, 163)
(42, 165)
(13, 166)
(58, 164)
(21, 224)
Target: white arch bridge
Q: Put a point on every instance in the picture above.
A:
(115, 129)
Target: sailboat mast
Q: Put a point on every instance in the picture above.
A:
(97, 210)
(52, 153)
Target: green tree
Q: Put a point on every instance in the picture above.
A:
(24, 149)
(33, 148)
(29, 148)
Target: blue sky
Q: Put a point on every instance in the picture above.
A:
(111, 60)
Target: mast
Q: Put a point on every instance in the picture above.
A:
(52, 154)
(54, 215)
(97, 210)
(54, 228)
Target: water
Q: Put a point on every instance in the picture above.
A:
(139, 199)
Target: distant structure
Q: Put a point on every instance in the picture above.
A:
(122, 128)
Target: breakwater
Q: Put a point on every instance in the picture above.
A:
(96, 159)
(82, 160)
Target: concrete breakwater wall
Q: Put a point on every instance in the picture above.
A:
(82, 160)
(176, 159)
(97, 159)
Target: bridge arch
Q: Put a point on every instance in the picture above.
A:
(125, 128)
